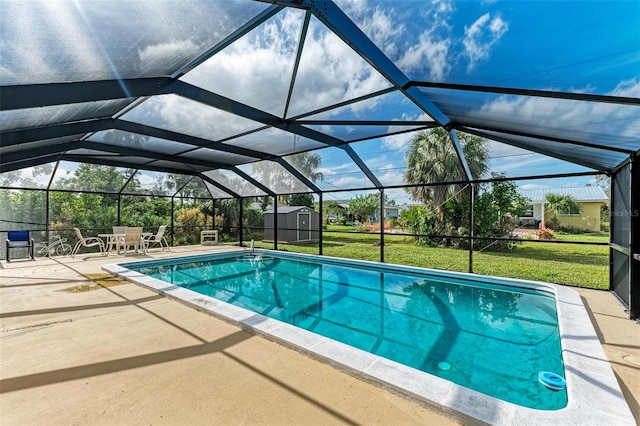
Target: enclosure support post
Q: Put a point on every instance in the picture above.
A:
(118, 218)
(634, 241)
(321, 211)
(213, 214)
(275, 222)
(381, 224)
(173, 229)
(240, 225)
(48, 200)
(46, 236)
(471, 219)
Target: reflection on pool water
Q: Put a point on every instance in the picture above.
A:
(495, 339)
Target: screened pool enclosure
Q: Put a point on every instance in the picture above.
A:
(197, 114)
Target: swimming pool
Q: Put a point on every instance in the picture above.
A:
(446, 337)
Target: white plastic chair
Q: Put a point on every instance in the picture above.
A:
(157, 239)
(133, 238)
(88, 243)
(119, 229)
(113, 242)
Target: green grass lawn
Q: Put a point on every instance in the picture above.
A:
(570, 264)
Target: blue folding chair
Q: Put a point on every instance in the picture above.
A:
(20, 239)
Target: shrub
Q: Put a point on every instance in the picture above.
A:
(572, 229)
(495, 210)
(553, 223)
(419, 220)
(545, 234)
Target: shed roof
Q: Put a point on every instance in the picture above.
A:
(289, 209)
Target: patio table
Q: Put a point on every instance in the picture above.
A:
(114, 238)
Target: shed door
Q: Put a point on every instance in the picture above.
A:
(304, 226)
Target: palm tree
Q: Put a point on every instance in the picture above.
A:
(560, 203)
(308, 164)
(276, 176)
(432, 158)
(227, 211)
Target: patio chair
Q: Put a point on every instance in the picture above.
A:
(132, 238)
(88, 243)
(113, 243)
(20, 239)
(157, 239)
(120, 229)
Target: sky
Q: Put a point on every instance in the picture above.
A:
(484, 43)
(571, 46)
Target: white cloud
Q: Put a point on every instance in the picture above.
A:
(391, 177)
(326, 171)
(350, 182)
(256, 69)
(387, 166)
(389, 28)
(384, 29)
(340, 175)
(420, 38)
(627, 88)
(335, 167)
(569, 116)
(533, 186)
(154, 57)
(146, 181)
(399, 195)
(481, 36)
(353, 6)
(36, 59)
(176, 113)
(430, 51)
(396, 142)
(29, 174)
(514, 161)
(499, 150)
(53, 41)
(331, 72)
(402, 140)
(526, 164)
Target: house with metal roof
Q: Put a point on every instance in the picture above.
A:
(587, 218)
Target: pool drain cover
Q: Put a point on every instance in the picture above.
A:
(444, 366)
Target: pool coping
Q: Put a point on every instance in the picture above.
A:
(594, 396)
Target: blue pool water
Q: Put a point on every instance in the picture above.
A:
(493, 338)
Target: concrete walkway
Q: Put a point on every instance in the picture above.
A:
(78, 347)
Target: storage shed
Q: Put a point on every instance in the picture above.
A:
(296, 224)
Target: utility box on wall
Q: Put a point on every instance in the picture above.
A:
(296, 224)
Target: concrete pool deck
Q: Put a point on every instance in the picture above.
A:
(121, 354)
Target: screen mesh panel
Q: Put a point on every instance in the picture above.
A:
(620, 282)
(621, 206)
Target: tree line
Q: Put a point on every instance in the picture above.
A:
(442, 216)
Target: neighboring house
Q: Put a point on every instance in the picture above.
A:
(343, 209)
(390, 213)
(590, 198)
(296, 224)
